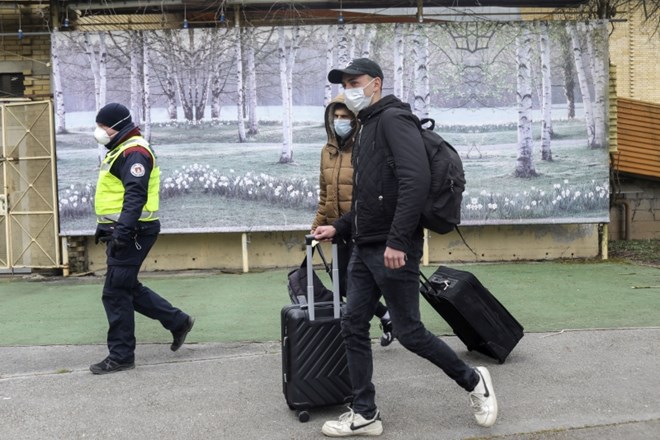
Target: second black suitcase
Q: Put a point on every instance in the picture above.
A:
(298, 281)
(474, 314)
(314, 366)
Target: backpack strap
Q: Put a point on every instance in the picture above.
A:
(465, 242)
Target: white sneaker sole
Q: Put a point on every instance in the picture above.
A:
(373, 429)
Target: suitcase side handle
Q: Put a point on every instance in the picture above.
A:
(429, 286)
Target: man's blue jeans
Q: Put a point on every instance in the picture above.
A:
(367, 279)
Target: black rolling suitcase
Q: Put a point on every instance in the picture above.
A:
(475, 315)
(314, 368)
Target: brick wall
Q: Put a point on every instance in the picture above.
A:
(29, 55)
(639, 199)
(634, 50)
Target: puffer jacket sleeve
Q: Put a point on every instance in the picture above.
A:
(320, 218)
(413, 175)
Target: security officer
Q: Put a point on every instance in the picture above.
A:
(126, 205)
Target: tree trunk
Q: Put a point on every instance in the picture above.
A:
(569, 74)
(184, 57)
(240, 99)
(290, 62)
(215, 87)
(103, 65)
(584, 86)
(146, 85)
(185, 102)
(169, 89)
(369, 34)
(355, 32)
(421, 83)
(60, 112)
(98, 72)
(536, 84)
(546, 87)
(286, 154)
(136, 78)
(597, 38)
(94, 66)
(525, 162)
(342, 47)
(421, 91)
(329, 64)
(409, 69)
(399, 45)
(253, 128)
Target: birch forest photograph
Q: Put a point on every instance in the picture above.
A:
(235, 115)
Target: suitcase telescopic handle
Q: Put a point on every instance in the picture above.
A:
(309, 241)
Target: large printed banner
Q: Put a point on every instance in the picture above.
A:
(236, 115)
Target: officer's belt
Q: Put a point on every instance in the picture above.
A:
(109, 218)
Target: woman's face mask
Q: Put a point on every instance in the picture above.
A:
(343, 127)
(355, 99)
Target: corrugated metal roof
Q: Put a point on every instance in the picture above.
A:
(103, 15)
(638, 136)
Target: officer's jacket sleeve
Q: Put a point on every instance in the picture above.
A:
(133, 168)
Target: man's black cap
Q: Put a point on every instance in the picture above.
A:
(359, 66)
(114, 115)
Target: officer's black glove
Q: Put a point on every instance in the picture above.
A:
(101, 235)
(115, 244)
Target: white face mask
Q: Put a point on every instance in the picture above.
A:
(355, 99)
(101, 136)
(343, 127)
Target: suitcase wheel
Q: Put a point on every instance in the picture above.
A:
(303, 416)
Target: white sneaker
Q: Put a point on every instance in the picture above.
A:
(353, 424)
(483, 400)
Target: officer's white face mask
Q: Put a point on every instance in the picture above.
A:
(355, 99)
(101, 136)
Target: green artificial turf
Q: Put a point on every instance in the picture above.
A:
(545, 296)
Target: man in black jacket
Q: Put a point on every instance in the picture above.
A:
(390, 185)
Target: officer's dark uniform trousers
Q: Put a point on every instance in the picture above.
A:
(123, 293)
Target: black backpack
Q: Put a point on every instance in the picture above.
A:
(442, 211)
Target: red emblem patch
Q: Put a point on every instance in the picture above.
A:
(137, 170)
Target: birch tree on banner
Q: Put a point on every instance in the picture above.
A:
(583, 82)
(546, 92)
(287, 49)
(525, 160)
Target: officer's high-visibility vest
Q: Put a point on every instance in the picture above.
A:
(109, 197)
